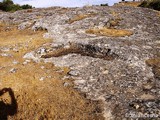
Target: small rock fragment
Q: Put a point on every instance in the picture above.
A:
(41, 51)
(66, 84)
(29, 56)
(147, 97)
(77, 82)
(65, 77)
(42, 78)
(26, 62)
(24, 25)
(49, 76)
(15, 62)
(15, 49)
(74, 73)
(13, 70)
(137, 106)
(105, 72)
(42, 67)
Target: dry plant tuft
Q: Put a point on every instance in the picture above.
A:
(110, 32)
(133, 4)
(158, 14)
(79, 17)
(153, 62)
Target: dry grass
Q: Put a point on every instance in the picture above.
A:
(158, 14)
(79, 17)
(114, 13)
(133, 4)
(155, 64)
(4, 27)
(13, 37)
(40, 99)
(114, 22)
(110, 32)
(29, 11)
(47, 99)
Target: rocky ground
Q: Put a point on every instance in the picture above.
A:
(37, 91)
(113, 54)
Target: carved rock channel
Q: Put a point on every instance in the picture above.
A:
(84, 50)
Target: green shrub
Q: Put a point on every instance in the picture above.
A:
(13, 8)
(26, 6)
(143, 4)
(8, 2)
(153, 4)
(104, 4)
(8, 5)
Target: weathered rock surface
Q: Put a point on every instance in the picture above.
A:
(119, 82)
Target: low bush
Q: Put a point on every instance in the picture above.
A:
(26, 6)
(153, 4)
(8, 5)
(104, 4)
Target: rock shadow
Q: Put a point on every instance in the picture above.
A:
(5, 108)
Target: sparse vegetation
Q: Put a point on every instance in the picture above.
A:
(153, 4)
(110, 32)
(78, 17)
(128, 3)
(155, 64)
(114, 22)
(8, 5)
(62, 77)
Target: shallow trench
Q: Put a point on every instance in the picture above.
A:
(84, 50)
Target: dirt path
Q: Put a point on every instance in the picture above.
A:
(37, 91)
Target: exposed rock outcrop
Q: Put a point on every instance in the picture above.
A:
(120, 80)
